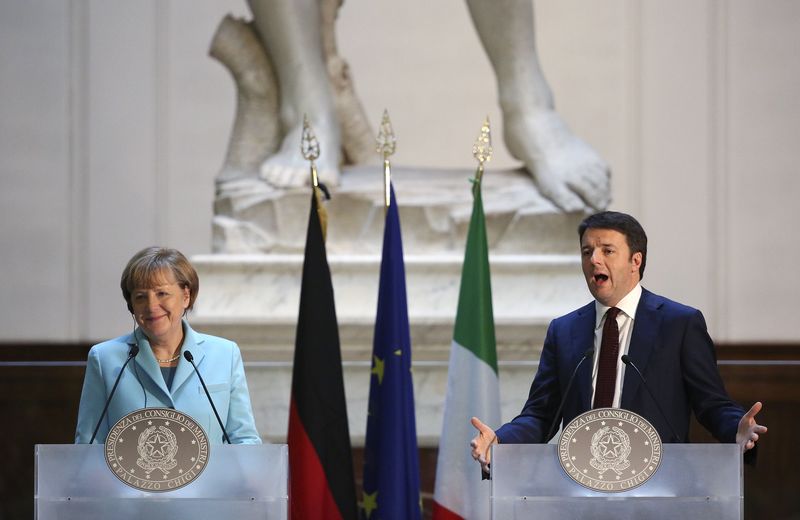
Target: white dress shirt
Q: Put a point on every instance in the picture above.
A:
(625, 318)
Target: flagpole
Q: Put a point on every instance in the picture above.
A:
(321, 483)
(386, 145)
(473, 388)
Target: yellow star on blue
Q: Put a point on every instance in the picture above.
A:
(370, 503)
(377, 368)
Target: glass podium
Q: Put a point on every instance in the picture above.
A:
(240, 482)
(695, 481)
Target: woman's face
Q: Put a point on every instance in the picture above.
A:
(158, 309)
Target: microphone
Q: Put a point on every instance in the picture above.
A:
(628, 362)
(131, 354)
(589, 353)
(190, 358)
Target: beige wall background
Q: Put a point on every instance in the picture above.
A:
(114, 122)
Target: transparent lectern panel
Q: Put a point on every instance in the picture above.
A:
(240, 481)
(694, 481)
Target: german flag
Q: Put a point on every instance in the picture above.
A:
(321, 482)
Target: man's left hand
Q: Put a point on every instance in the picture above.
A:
(749, 430)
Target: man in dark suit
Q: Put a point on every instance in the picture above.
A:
(668, 342)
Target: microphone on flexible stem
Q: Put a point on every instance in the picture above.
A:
(628, 362)
(131, 354)
(190, 358)
(589, 353)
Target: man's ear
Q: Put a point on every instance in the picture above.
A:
(636, 261)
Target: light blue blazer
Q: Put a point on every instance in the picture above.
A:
(218, 361)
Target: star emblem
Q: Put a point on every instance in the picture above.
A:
(156, 445)
(370, 503)
(377, 368)
(610, 447)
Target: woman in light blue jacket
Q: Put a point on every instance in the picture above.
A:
(160, 287)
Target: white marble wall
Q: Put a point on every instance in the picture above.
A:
(113, 123)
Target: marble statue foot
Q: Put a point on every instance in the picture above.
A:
(566, 169)
(288, 169)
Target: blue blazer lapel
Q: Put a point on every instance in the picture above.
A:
(146, 360)
(582, 339)
(646, 326)
(193, 343)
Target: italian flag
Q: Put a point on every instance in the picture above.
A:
(472, 383)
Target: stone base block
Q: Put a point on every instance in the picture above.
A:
(254, 300)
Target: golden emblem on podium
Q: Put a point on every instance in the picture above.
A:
(609, 449)
(156, 449)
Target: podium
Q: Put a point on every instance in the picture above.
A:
(240, 482)
(695, 481)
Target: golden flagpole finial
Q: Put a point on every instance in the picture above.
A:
(482, 149)
(386, 145)
(386, 141)
(309, 146)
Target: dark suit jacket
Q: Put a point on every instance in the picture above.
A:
(671, 347)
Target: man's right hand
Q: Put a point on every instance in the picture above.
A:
(482, 443)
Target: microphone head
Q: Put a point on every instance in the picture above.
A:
(134, 351)
(589, 352)
(188, 356)
(626, 359)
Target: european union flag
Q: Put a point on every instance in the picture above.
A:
(391, 464)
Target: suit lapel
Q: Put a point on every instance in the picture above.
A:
(146, 360)
(646, 326)
(193, 343)
(582, 339)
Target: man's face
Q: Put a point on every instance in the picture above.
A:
(610, 269)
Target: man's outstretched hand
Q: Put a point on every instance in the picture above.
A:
(749, 430)
(482, 443)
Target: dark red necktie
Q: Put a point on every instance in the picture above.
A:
(607, 365)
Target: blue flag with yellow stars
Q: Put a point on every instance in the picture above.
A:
(391, 464)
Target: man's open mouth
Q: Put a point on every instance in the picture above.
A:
(600, 277)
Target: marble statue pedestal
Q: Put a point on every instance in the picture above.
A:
(253, 298)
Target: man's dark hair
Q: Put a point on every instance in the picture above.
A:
(625, 224)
